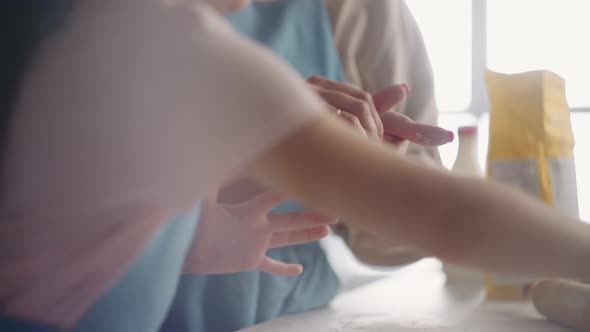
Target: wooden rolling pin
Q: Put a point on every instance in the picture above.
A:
(564, 302)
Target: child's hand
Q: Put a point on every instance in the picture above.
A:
(235, 238)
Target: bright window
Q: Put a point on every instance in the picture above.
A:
(446, 27)
(543, 34)
(521, 35)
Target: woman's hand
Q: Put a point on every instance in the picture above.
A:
(357, 107)
(398, 127)
(352, 105)
(235, 238)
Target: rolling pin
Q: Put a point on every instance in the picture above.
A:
(564, 302)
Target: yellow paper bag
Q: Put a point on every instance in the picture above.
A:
(531, 148)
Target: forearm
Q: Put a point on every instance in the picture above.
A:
(525, 235)
(310, 167)
(460, 220)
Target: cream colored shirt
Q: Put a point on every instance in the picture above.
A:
(380, 44)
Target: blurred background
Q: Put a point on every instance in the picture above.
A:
(464, 37)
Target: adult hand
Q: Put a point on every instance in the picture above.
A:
(400, 129)
(359, 107)
(235, 238)
(353, 105)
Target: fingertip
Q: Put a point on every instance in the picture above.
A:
(428, 135)
(446, 136)
(406, 89)
(296, 269)
(451, 136)
(275, 267)
(316, 233)
(291, 270)
(323, 231)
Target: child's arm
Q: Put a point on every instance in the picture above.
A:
(461, 220)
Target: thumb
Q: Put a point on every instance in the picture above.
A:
(279, 268)
(399, 125)
(389, 97)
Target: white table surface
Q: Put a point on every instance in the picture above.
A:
(415, 299)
